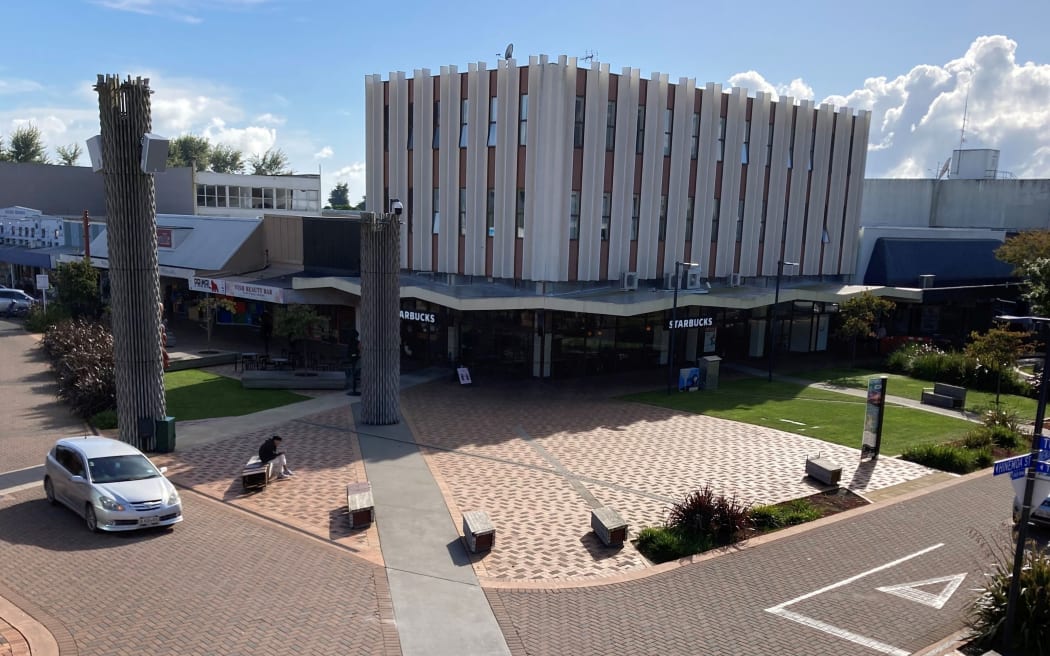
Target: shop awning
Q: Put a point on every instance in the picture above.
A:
(953, 262)
(33, 257)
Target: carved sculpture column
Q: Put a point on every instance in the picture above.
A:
(380, 319)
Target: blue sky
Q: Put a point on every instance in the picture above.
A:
(290, 73)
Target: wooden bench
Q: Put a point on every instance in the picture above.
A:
(478, 531)
(823, 470)
(610, 528)
(255, 474)
(360, 505)
(944, 396)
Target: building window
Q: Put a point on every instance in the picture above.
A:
(490, 213)
(437, 124)
(284, 199)
(386, 128)
(610, 124)
(606, 215)
(640, 140)
(636, 211)
(577, 126)
(464, 109)
(574, 215)
(519, 214)
(262, 198)
(714, 220)
(689, 211)
(493, 111)
(435, 219)
(721, 138)
(411, 109)
(668, 123)
(523, 118)
(663, 218)
(740, 221)
(694, 147)
(463, 211)
(745, 147)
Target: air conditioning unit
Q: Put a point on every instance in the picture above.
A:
(629, 281)
(926, 281)
(669, 281)
(735, 279)
(692, 280)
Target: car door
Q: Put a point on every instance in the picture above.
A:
(60, 474)
(78, 491)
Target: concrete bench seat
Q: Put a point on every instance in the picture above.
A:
(823, 470)
(255, 475)
(360, 505)
(478, 531)
(944, 396)
(286, 379)
(610, 528)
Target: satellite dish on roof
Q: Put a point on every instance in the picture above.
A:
(510, 51)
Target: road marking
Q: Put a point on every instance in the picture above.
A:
(790, 421)
(911, 591)
(781, 609)
(19, 488)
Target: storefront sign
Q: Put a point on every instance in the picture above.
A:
(691, 322)
(422, 317)
(871, 439)
(163, 237)
(175, 272)
(255, 292)
(209, 285)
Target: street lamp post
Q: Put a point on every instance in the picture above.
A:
(674, 316)
(773, 314)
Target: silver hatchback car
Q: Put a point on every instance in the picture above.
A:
(111, 484)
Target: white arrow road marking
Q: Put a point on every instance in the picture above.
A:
(781, 609)
(911, 591)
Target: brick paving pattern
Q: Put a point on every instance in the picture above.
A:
(538, 457)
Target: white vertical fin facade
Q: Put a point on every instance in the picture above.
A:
(736, 118)
(593, 174)
(818, 194)
(620, 238)
(505, 190)
(422, 170)
(755, 207)
(397, 150)
(678, 184)
(476, 184)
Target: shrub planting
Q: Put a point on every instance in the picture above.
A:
(704, 514)
(955, 459)
(40, 320)
(798, 511)
(81, 355)
(987, 617)
(104, 420)
(661, 544)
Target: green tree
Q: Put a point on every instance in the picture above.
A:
(272, 162)
(227, 159)
(996, 351)
(189, 150)
(1036, 273)
(859, 316)
(209, 306)
(360, 206)
(69, 155)
(77, 290)
(1024, 248)
(297, 323)
(339, 199)
(4, 156)
(27, 145)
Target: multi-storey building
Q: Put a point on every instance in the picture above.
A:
(539, 198)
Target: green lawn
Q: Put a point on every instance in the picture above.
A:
(911, 388)
(822, 414)
(196, 394)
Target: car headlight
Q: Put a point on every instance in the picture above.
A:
(109, 504)
(173, 497)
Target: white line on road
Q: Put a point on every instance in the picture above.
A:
(780, 611)
(19, 488)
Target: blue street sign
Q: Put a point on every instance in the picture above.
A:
(1012, 464)
(1044, 443)
(1042, 467)
(1018, 473)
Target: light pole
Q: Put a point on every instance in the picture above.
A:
(674, 316)
(773, 314)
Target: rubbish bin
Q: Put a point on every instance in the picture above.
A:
(164, 435)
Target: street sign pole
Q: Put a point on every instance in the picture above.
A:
(1026, 502)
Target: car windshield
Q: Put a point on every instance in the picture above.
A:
(114, 469)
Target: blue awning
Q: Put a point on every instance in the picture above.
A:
(899, 262)
(25, 256)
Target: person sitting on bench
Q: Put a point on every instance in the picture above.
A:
(270, 451)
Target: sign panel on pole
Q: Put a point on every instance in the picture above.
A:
(1012, 464)
(871, 438)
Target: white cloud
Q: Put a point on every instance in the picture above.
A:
(324, 153)
(14, 86)
(754, 82)
(250, 140)
(270, 119)
(184, 11)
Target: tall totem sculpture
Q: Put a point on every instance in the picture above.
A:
(131, 228)
(380, 318)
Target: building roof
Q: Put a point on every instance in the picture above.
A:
(953, 262)
(209, 244)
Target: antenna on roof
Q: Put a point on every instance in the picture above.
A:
(591, 54)
(509, 52)
(966, 108)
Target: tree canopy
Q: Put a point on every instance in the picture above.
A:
(339, 198)
(27, 145)
(69, 155)
(1025, 247)
(860, 315)
(272, 162)
(76, 288)
(226, 159)
(189, 150)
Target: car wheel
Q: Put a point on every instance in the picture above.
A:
(49, 490)
(90, 519)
